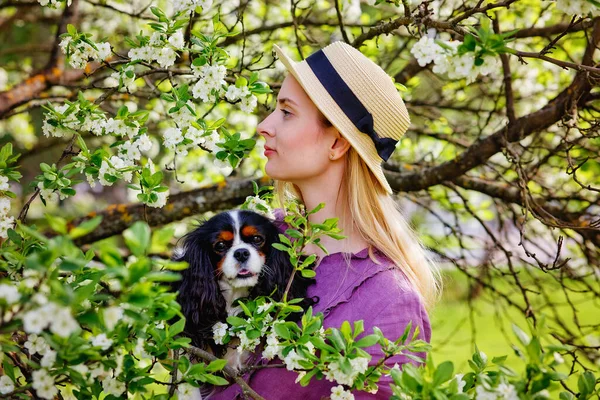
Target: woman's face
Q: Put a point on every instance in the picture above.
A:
(297, 144)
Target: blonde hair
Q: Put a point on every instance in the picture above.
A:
(380, 221)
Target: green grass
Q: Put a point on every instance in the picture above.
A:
(456, 327)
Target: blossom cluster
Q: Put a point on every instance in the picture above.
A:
(447, 61)
(187, 6)
(504, 391)
(335, 372)
(258, 205)
(50, 315)
(577, 7)
(80, 52)
(211, 84)
(338, 393)
(52, 3)
(161, 196)
(162, 48)
(69, 121)
(6, 221)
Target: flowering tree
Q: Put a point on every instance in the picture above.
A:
(121, 116)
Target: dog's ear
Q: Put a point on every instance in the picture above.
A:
(199, 293)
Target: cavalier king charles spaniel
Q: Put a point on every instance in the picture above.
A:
(230, 257)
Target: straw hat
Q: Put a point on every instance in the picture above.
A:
(357, 97)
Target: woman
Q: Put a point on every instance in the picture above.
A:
(338, 116)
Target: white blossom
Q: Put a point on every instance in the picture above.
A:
(167, 57)
(43, 384)
(335, 373)
(35, 321)
(101, 341)
(577, 7)
(246, 343)
(4, 205)
(9, 293)
(338, 393)
(6, 385)
(253, 203)
(426, 50)
(5, 224)
(172, 137)
(558, 358)
(273, 348)
(113, 386)
(82, 52)
(36, 344)
(116, 127)
(4, 182)
(184, 116)
(459, 381)
(144, 143)
(176, 40)
(483, 394)
(234, 93)
(48, 359)
(219, 332)
(291, 360)
(185, 391)
(211, 140)
(248, 104)
(507, 391)
(63, 324)
(118, 164)
(112, 315)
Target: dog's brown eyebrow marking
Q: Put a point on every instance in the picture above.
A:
(249, 230)
(225, 235)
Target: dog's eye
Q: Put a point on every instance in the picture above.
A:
(257, 239)
(220, 246)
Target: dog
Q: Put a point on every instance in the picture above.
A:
(231, 256)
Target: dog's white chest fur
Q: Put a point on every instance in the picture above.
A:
(231, 294)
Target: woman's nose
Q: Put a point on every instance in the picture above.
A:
(265, 128)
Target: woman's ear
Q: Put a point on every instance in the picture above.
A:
(339, 147)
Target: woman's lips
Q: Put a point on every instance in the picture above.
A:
(269, 151)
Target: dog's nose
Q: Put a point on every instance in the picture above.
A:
(241, 255)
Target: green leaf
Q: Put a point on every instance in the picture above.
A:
(72, 30)
(137, 238)
(470, 42)
(85, 227)
(216, 380)
(236, 321)
(586, 383)
(58, 224)
(566, 396)
(282, 331)
(443, 373)
(9, 369)
(367, 341)
(308, 273)
(216, 365)
(177, 327)
(337, 339)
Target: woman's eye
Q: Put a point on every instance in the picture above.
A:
(286, 113)
(220, 246)
(257, 240)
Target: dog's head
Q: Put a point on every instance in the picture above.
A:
(235, 248)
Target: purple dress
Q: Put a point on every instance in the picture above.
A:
(380, 295)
